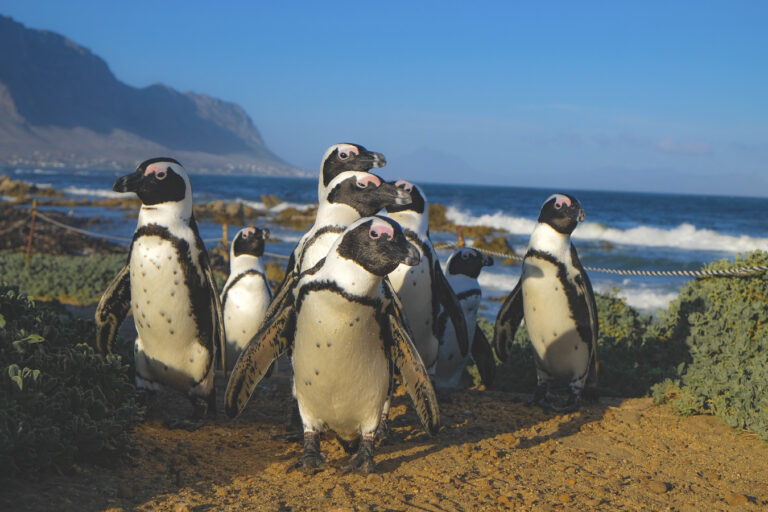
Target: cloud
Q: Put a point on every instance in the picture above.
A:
(673, 147)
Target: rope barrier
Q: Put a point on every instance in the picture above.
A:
(741, 271)
(93, 234)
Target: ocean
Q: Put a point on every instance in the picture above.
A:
(623, 230)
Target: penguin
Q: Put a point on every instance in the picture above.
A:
(169, 285)
(555, 297)
(246, 294)
(345, 326)
(346, 192)
(462, 270)
(423, 288)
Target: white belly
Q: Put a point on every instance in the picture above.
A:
(244, 311)
(414, 287)
(341, 372)
(550, 324)
(168, 349)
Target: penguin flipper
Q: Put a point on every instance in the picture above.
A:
(407, 359)
(217, 312)
(112, 309)
(483, 356)
(273, 338)
(452, 306)
(585, 288)
(507, 321)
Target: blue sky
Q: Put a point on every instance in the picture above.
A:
(650, 96)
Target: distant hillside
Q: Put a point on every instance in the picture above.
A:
(61, 105)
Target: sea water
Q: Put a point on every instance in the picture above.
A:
(623, 230)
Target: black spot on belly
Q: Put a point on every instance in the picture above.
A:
(317, 344)
(243, 331)
(307, 382)
(414, 283)
(171, 331)
(328, 343)
(357, 319)
(317, 372)
(575, 347)
(169, 256)
(173, 293)
(351, 324)
(175, 271)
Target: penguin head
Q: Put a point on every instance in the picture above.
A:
(377, 244)
(418, 201)
(157, 181)
(468, 262)
(348, 157)
(365, 192)
(249, 241)
(562, 212)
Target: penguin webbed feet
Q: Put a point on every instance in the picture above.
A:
(382, 431)
(541, 397)
(312, 460)
(362, 461)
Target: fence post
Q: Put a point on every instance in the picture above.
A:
(225, 241)
(460, 237)
(31, 232)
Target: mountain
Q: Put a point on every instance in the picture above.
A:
(60, 105)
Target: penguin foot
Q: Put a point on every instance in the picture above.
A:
(572, 405)
(382, 431)
(293, 425)
(540, 397)
(591, 395)
(203, 406)
(349, 446)
(362, 461)
(312, 460)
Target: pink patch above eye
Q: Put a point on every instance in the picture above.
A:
(249, 231)
(364, 181)
(381, 229)
(407, 185)
(562, 200)
(152, 170)
(347, 148)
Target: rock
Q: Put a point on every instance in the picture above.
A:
(565, 498)
(181, 507)
(734, 498)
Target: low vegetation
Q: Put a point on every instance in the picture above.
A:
(60, 403)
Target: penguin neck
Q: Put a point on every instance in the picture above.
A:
(413, 221)
(349, 275)
(335, 214)
(243, 263)
(166, 214)
(546, 239)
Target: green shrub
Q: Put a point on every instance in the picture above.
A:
(70, 279)
(630, 362)
(60, 403)
(724, 322)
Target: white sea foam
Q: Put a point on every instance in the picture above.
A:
(684, 237)
(98, 192)
(258, 205)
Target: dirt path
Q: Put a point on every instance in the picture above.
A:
(493, 453)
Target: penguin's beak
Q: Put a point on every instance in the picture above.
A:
(582, 215)
(374, 159)
(398, 196)
(487, 261)
(413, 257)
(129, 183)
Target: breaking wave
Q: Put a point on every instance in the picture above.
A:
(685, 236)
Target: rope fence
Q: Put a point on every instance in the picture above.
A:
(741, 271)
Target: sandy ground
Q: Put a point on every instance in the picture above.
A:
(492, 453)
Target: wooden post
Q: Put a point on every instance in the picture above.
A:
(460, 237)
(225, 241)
(31, 232)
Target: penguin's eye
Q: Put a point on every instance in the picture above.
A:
(343, 155)
(558, 205)
(362, 184)
(377, 231)
(244, 235)
(161, 175)
(465, 255)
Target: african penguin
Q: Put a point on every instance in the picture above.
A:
(462, 270)
(169, 285)
(246, 294)
(347, 332)
(423, 288)
(555, 297)
(346, 191)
